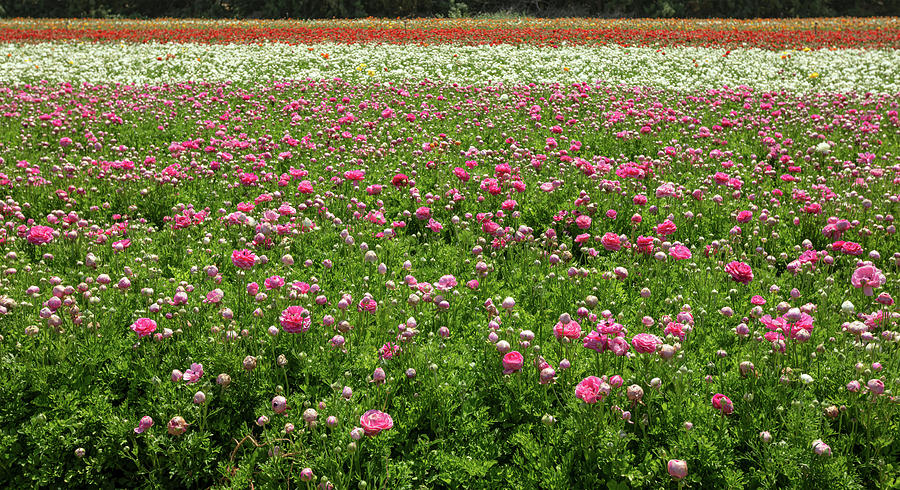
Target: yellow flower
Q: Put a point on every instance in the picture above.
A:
(813, 75)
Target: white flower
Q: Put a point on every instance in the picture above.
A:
(806, 379)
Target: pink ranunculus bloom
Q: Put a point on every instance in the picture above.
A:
(744, 216)
(446, 283)
(851, 248)
(193, 374)
(295, 319)
(145, 423)
(583, 222)
(274, 282)
(645, 343)
(570, 330)
(875, 386)
(680, 252)
(868, 277)
(215, 296)
(611, 242)
(512, 362)
(143, 327)
(375, 421)
(677, 468)
(618, 345)
(589, 390)
(740, 272)
(722, 403)
(39, 235)
(666, 228)
(243, 259)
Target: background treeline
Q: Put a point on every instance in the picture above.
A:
(309, 9)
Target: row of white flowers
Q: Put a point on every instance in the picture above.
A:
(684, 68)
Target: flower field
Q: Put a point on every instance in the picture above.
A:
(526, 254)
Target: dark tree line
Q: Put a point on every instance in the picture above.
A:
(310, 9)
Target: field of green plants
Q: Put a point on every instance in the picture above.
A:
(416, 265)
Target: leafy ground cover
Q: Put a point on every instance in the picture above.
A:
(435, 279)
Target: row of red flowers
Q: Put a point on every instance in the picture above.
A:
(814, 39)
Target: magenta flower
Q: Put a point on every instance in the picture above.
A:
(590, 389)
(243, 259)
(39, 235)
(143, 327)
(512, 362)
(145, 423)
(867, 277)
(375, 421)
(740, 272)
(295, 319)
(722, 403)
(645, 343)
(677, 468)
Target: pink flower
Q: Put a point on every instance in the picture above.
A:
(143, 327)
(39, 235)
(446, 283)
(666, 228)
(680, 252)
(583, 222)
(279, 404)
(145, 423)
(875, 386)
(645, 343)
(758, 300)
(867, 277)
(740, 272)
(744, 216)
(177, 426)
(367, 304)
(375, 421)
(611, 242)
(193, 374)
(295, 319)
(677, 468)
(274, 282)
(570, 330)
(512, 362)
(618, 345)
(851, 248)
(243, 259)
(590, 389)
(214, 296)
(722, 403)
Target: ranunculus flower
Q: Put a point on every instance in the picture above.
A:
(589, 390)
(145, 423)
(143, 327)
(375, 421)
(243, 259)
(295, 319)
(645, 343)
(740, 272)
(177, 425)
(611, 242)
(677, 468)
(512, 362)
(583, 222)
(867, 277)
(570, 330)
(722, 403)
(39, 235)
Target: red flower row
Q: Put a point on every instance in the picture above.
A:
(766, 39)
